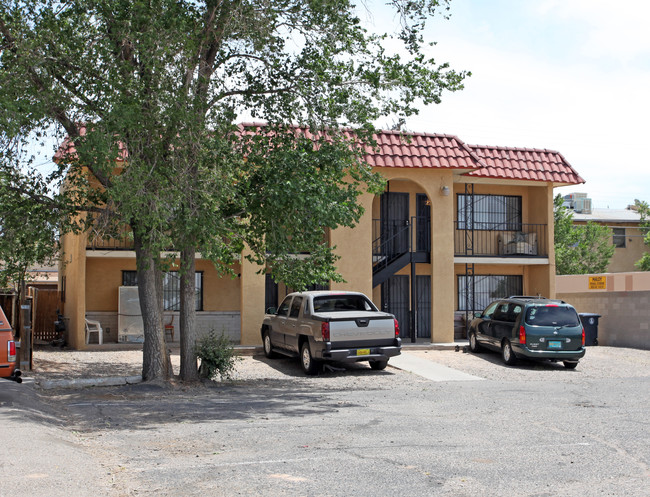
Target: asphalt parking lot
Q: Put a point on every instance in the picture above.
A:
(536, 429)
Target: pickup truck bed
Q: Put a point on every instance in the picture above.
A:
(330, 326)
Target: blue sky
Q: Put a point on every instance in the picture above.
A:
(566, 75)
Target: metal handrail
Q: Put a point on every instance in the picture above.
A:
(501, 240)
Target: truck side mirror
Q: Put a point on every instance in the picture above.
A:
(272, 310)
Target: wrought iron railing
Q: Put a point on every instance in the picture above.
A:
(506, 240)
(118, 241)
(391, 239)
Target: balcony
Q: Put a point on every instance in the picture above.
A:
(521, 240)
(123, 241)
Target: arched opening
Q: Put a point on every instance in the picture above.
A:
(402, 256)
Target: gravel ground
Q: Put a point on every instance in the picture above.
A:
(599, 362)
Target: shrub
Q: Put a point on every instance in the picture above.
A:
(217, 356)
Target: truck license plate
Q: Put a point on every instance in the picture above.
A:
(554, 344)
(363, 351)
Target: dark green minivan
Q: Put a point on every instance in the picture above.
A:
(529, 327)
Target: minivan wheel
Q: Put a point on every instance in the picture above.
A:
(570, 365)
(507, 354)
(268, 345)
(308, 363)
(473, 343)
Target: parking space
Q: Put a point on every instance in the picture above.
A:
(598, 363)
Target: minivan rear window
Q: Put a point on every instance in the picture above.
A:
(552, 315)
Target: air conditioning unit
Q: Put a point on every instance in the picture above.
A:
(582, 205)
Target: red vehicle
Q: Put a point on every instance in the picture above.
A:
(8, 351)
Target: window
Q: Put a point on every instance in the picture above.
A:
(489, 212)
(552, 316)
(295, 307)
(284, 307)
(340, 303)
(619, 237)
(171, 288)
(483, 289)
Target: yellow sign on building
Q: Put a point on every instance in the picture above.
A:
(597, 282)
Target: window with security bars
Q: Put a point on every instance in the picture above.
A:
(618, 237)
(171, 288)
(483, 289)
(489, 212)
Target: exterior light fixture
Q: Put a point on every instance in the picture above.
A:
(444, 191)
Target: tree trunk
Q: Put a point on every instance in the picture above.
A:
(155, 360)
(189, 371)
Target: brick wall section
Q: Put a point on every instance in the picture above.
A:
(226, 322)
(625, 320)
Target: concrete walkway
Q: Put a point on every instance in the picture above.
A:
(429, 369)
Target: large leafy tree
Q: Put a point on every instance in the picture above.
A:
(580, 249)
(147, 93)
(644, 210)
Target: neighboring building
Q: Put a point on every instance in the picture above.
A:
(457, 226)
(627, 235)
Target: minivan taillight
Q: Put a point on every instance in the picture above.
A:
(396, 328)
(583, 337)
(522, 334)
(325, 331)
(11, 351)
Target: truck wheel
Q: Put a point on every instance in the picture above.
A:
(570, 365)
(378, 365)
(507, 354)
(309, 364)
(268, 345)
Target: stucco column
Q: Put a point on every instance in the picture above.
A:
(550, 221)
(442, 260)
(540, 279)
(72, 271)
(354, 246)
(252, 294)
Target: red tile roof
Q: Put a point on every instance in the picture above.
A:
(448, 151)
(426, 150)
(525, 164)
(420, 150)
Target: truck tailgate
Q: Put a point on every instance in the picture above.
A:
(360, 328)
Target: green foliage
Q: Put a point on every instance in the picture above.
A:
(644, 210)
(149, 91)
(580, 249)
(217, 356)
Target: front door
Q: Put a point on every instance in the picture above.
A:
(423, 223)
(394, 224)
(395, 299)
(423, 284)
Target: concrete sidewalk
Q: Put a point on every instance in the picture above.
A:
(428, 369)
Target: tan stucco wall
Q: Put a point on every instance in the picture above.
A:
(624, 306)
(251, 303)
(104, 277)
(625, 258)
(72, 283)
(354, 246)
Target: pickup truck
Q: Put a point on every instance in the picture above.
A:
(322, 326)
(8, 351)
